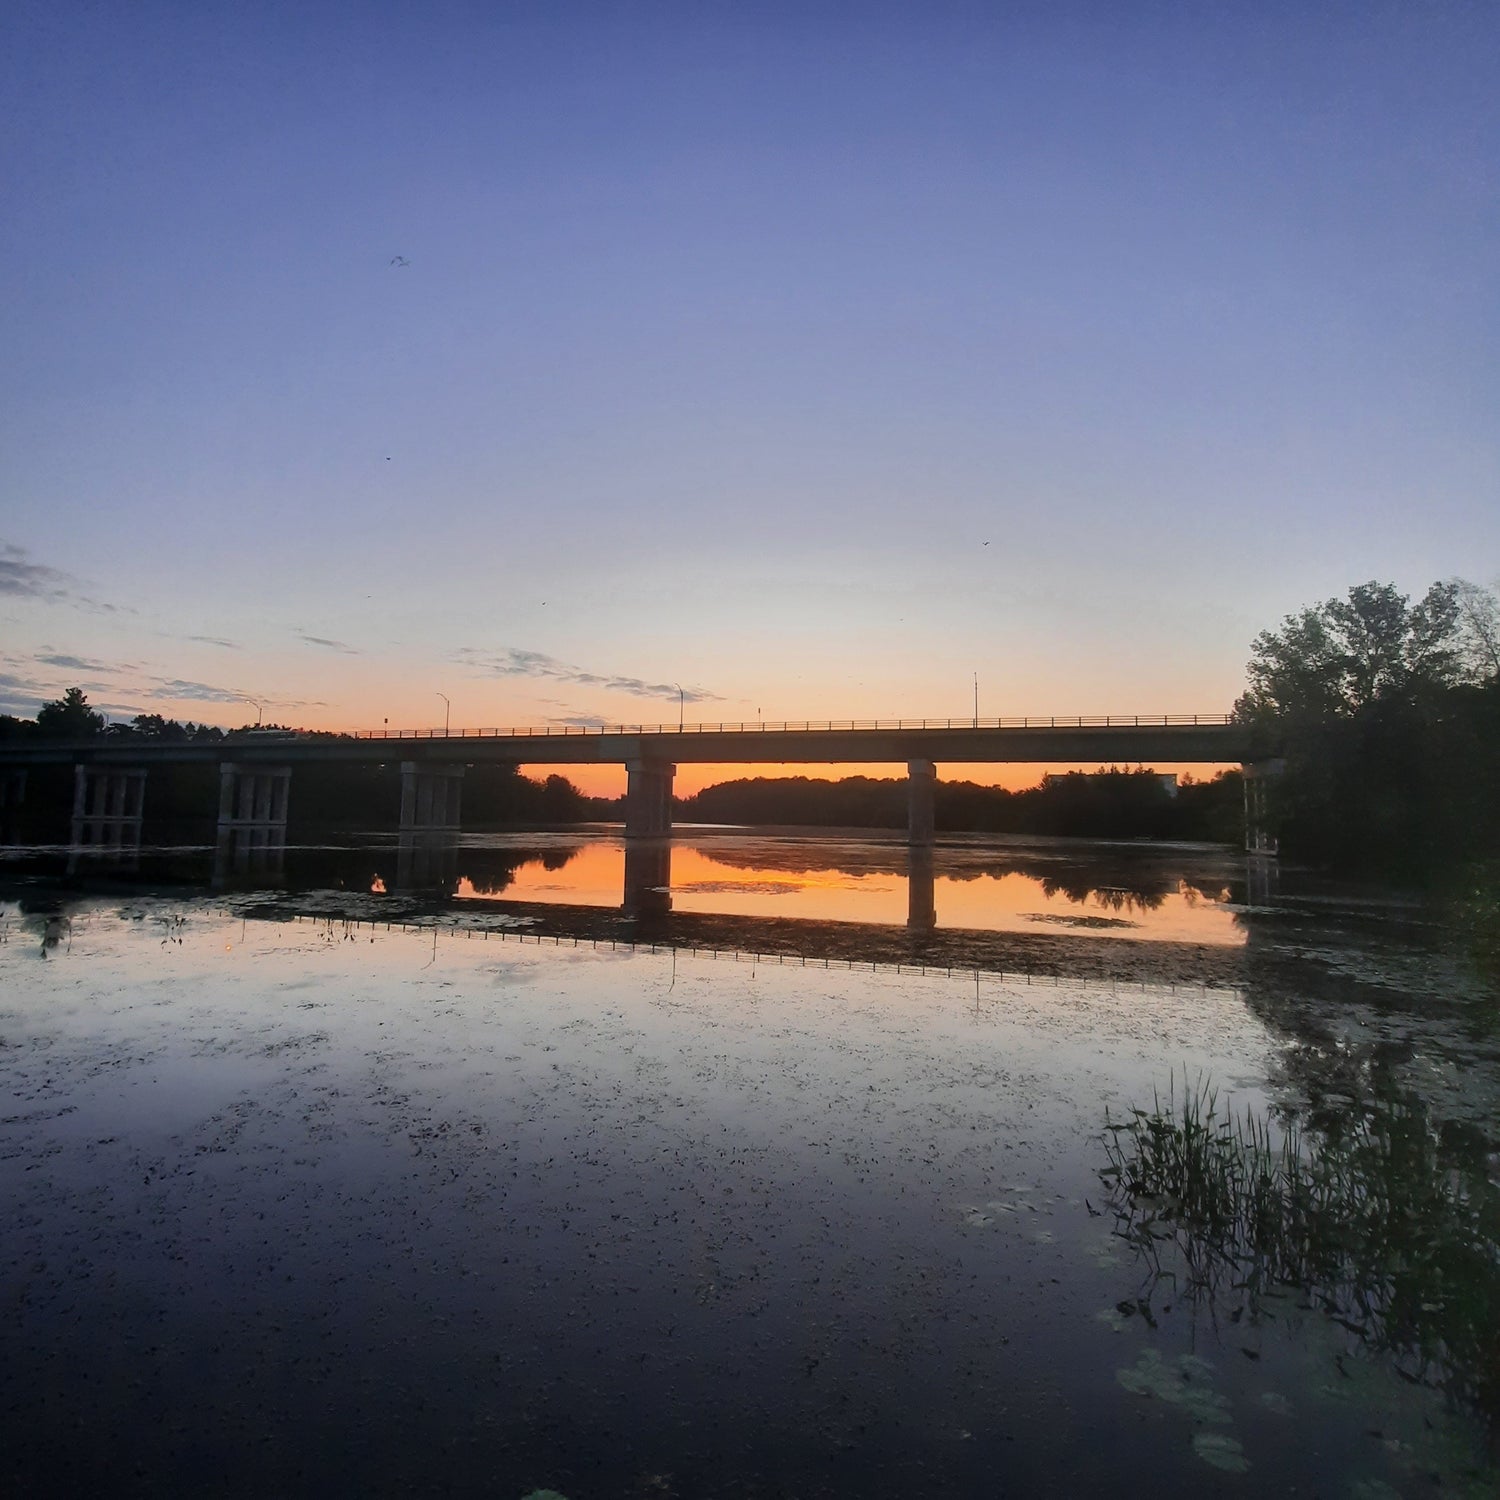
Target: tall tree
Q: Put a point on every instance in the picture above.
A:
(69, 718)
(1341, 656)
(1478, 630)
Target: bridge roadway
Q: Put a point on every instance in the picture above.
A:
(256, 766)
(1183, 739)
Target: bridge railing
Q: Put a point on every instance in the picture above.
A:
(811, 726)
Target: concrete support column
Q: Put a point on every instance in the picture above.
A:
(921, 791)
(648, 798)
(108, 804)
(253, 797)
(1258, 781)
(251, 842)
(430, 797)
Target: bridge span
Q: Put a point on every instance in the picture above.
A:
(256, 765)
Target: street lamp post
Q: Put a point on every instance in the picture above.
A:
(447, 711)
(976, 700)
(259, 708)
(681, 705)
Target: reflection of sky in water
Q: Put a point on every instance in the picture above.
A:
(964, 897)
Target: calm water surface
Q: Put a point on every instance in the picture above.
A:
(320, 1188)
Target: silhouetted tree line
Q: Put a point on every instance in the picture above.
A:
(1115, 803)
(1388, 716)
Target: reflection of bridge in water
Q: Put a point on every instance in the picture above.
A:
(1127, 883)
(446, 882)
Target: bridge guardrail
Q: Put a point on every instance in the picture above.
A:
(813, 726)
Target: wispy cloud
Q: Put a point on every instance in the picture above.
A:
(21, 578)
(195, 692)
(19, 695)
(29, 580)
(122, 688)
(213, 640)
(73, 663)
(323, 643)
(511, 661)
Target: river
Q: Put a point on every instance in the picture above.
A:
(763, 1164)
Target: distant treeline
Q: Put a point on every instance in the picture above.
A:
(1116, 803)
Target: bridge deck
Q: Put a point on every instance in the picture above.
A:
(1202, 739)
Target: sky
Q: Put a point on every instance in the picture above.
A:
(601, 361)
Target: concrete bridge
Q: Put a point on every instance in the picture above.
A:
(256, 766)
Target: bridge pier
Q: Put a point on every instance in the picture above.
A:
(1258, 777)
(648, 798)
(12, 802)
(251, 835)
(430, 797)
(107, 807)
(921, 791)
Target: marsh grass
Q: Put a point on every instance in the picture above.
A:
(1364, 1216)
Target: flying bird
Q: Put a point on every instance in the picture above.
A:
(399, 260)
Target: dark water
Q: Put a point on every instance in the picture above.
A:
(483, 1185)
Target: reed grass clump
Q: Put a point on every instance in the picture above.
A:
(1367, 1217)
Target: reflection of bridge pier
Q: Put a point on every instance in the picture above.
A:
(1262, 880)
(921, 903)
(250, 841)
(427, 860)
(648, 877)
(1259, 777)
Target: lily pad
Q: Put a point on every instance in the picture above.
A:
(1373, 1489)
(1185, 1381)
(1222, 1451)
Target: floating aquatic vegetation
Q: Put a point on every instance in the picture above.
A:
(1373, 1489)
(1185, 1382)
(1367, 1215)
(1221, 1450)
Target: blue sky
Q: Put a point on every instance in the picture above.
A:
(814, 357)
